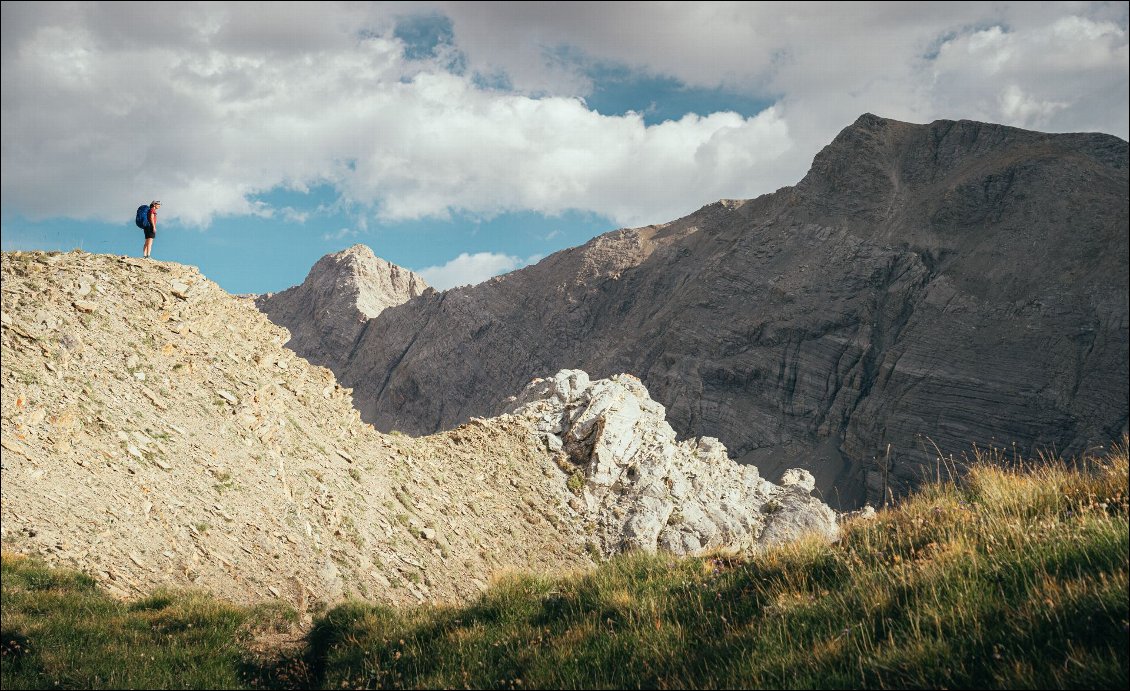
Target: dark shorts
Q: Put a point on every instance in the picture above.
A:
(150, 233)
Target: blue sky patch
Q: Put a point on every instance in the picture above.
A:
(618, 89)
(251, 254)
(430, 36)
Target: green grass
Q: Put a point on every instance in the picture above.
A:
(1010, 578)
(1014, 578)
(60, 631)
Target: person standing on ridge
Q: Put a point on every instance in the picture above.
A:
(150, 229)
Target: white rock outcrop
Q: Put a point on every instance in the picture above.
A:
(643, 489)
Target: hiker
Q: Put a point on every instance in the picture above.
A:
(150, 229)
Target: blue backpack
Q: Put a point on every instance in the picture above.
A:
(142, 219)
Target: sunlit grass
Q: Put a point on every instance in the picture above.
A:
(1013, 577)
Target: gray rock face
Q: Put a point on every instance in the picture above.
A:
(331, 307)
(643, 490)
(923, 289)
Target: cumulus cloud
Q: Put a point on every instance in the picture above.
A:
(225, 106)
(209, 106)
(1054, 66)
(470, 269)
(1067, 74)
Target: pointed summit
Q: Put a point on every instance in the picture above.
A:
(375, 283)
(342, 291)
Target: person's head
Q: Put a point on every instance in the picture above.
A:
(154, 204)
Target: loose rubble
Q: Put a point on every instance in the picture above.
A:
(162, 436)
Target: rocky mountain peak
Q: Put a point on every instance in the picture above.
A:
(363, 280)
(358, 250)
(328, 310)
(871, 170)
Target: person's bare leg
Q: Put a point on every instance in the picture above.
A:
(148, 247)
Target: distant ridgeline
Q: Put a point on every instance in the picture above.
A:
(923, 289)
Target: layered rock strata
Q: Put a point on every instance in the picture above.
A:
(924, 289)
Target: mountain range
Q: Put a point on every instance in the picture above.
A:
(923, 290)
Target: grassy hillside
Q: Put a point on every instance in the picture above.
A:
(1012, 578)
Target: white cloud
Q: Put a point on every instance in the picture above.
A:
(222, 102)
(339, 234)
(1069, 74)
(1018, 106)
(470, 269)
(294, 215)
(447, 145)
(228, 108)
(827, 63)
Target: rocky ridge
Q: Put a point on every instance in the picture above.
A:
(924, 289)
(155, 432)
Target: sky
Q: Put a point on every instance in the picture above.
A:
(465, 140)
